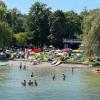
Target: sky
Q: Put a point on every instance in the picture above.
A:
(65, 5)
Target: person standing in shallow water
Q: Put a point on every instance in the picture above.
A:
(32, 74)
(24, 66)
(72, 70)
(35, 83)
(54, 77)
(20, 65)
(64, 77)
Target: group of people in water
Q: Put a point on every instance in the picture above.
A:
(22, 67)
(64, 77)
(34, 83)
(29, 83)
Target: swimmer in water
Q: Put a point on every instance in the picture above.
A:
(32, 74)
(24, 83)
(29, 83)
(64, 77)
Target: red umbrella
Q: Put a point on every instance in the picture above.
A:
(66, 49)
(36, 50)
(32, 53)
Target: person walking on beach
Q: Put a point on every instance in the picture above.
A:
(20, 65)
(64, 76)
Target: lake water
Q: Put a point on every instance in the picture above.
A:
(82, 84)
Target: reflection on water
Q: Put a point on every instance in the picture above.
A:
(80, 84)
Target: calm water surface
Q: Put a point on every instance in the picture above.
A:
(82, 84)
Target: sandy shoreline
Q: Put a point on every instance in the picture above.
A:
(44, 64)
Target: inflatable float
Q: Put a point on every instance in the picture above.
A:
(96, 70)
(53, 62)
(59, 62)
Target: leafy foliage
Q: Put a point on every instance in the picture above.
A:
(73, 22)
(91, 28)
(37, 23)
(57, 24)
(5, 34)
(21, 38)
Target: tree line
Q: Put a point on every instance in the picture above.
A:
(43, 26)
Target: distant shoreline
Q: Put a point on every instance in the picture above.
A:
(44, 64)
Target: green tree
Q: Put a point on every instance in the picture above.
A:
(57, 24)
(91, 29)
(2, 11)
(73, 22)
(2, 4)
(6, 35)
(37, 23)
(15, 20)
(21, 38)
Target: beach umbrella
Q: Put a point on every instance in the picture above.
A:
(76, 51)
(60, 54)
(66, 49)
(58, 51)
(32, 53)
(37, 50)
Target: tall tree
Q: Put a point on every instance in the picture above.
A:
(15, 20)
(21, 38)
(2, 4)
(73, 22)
(91, 29)
(37, 23)
(2, 11)
(6, 34)
(57, 24)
